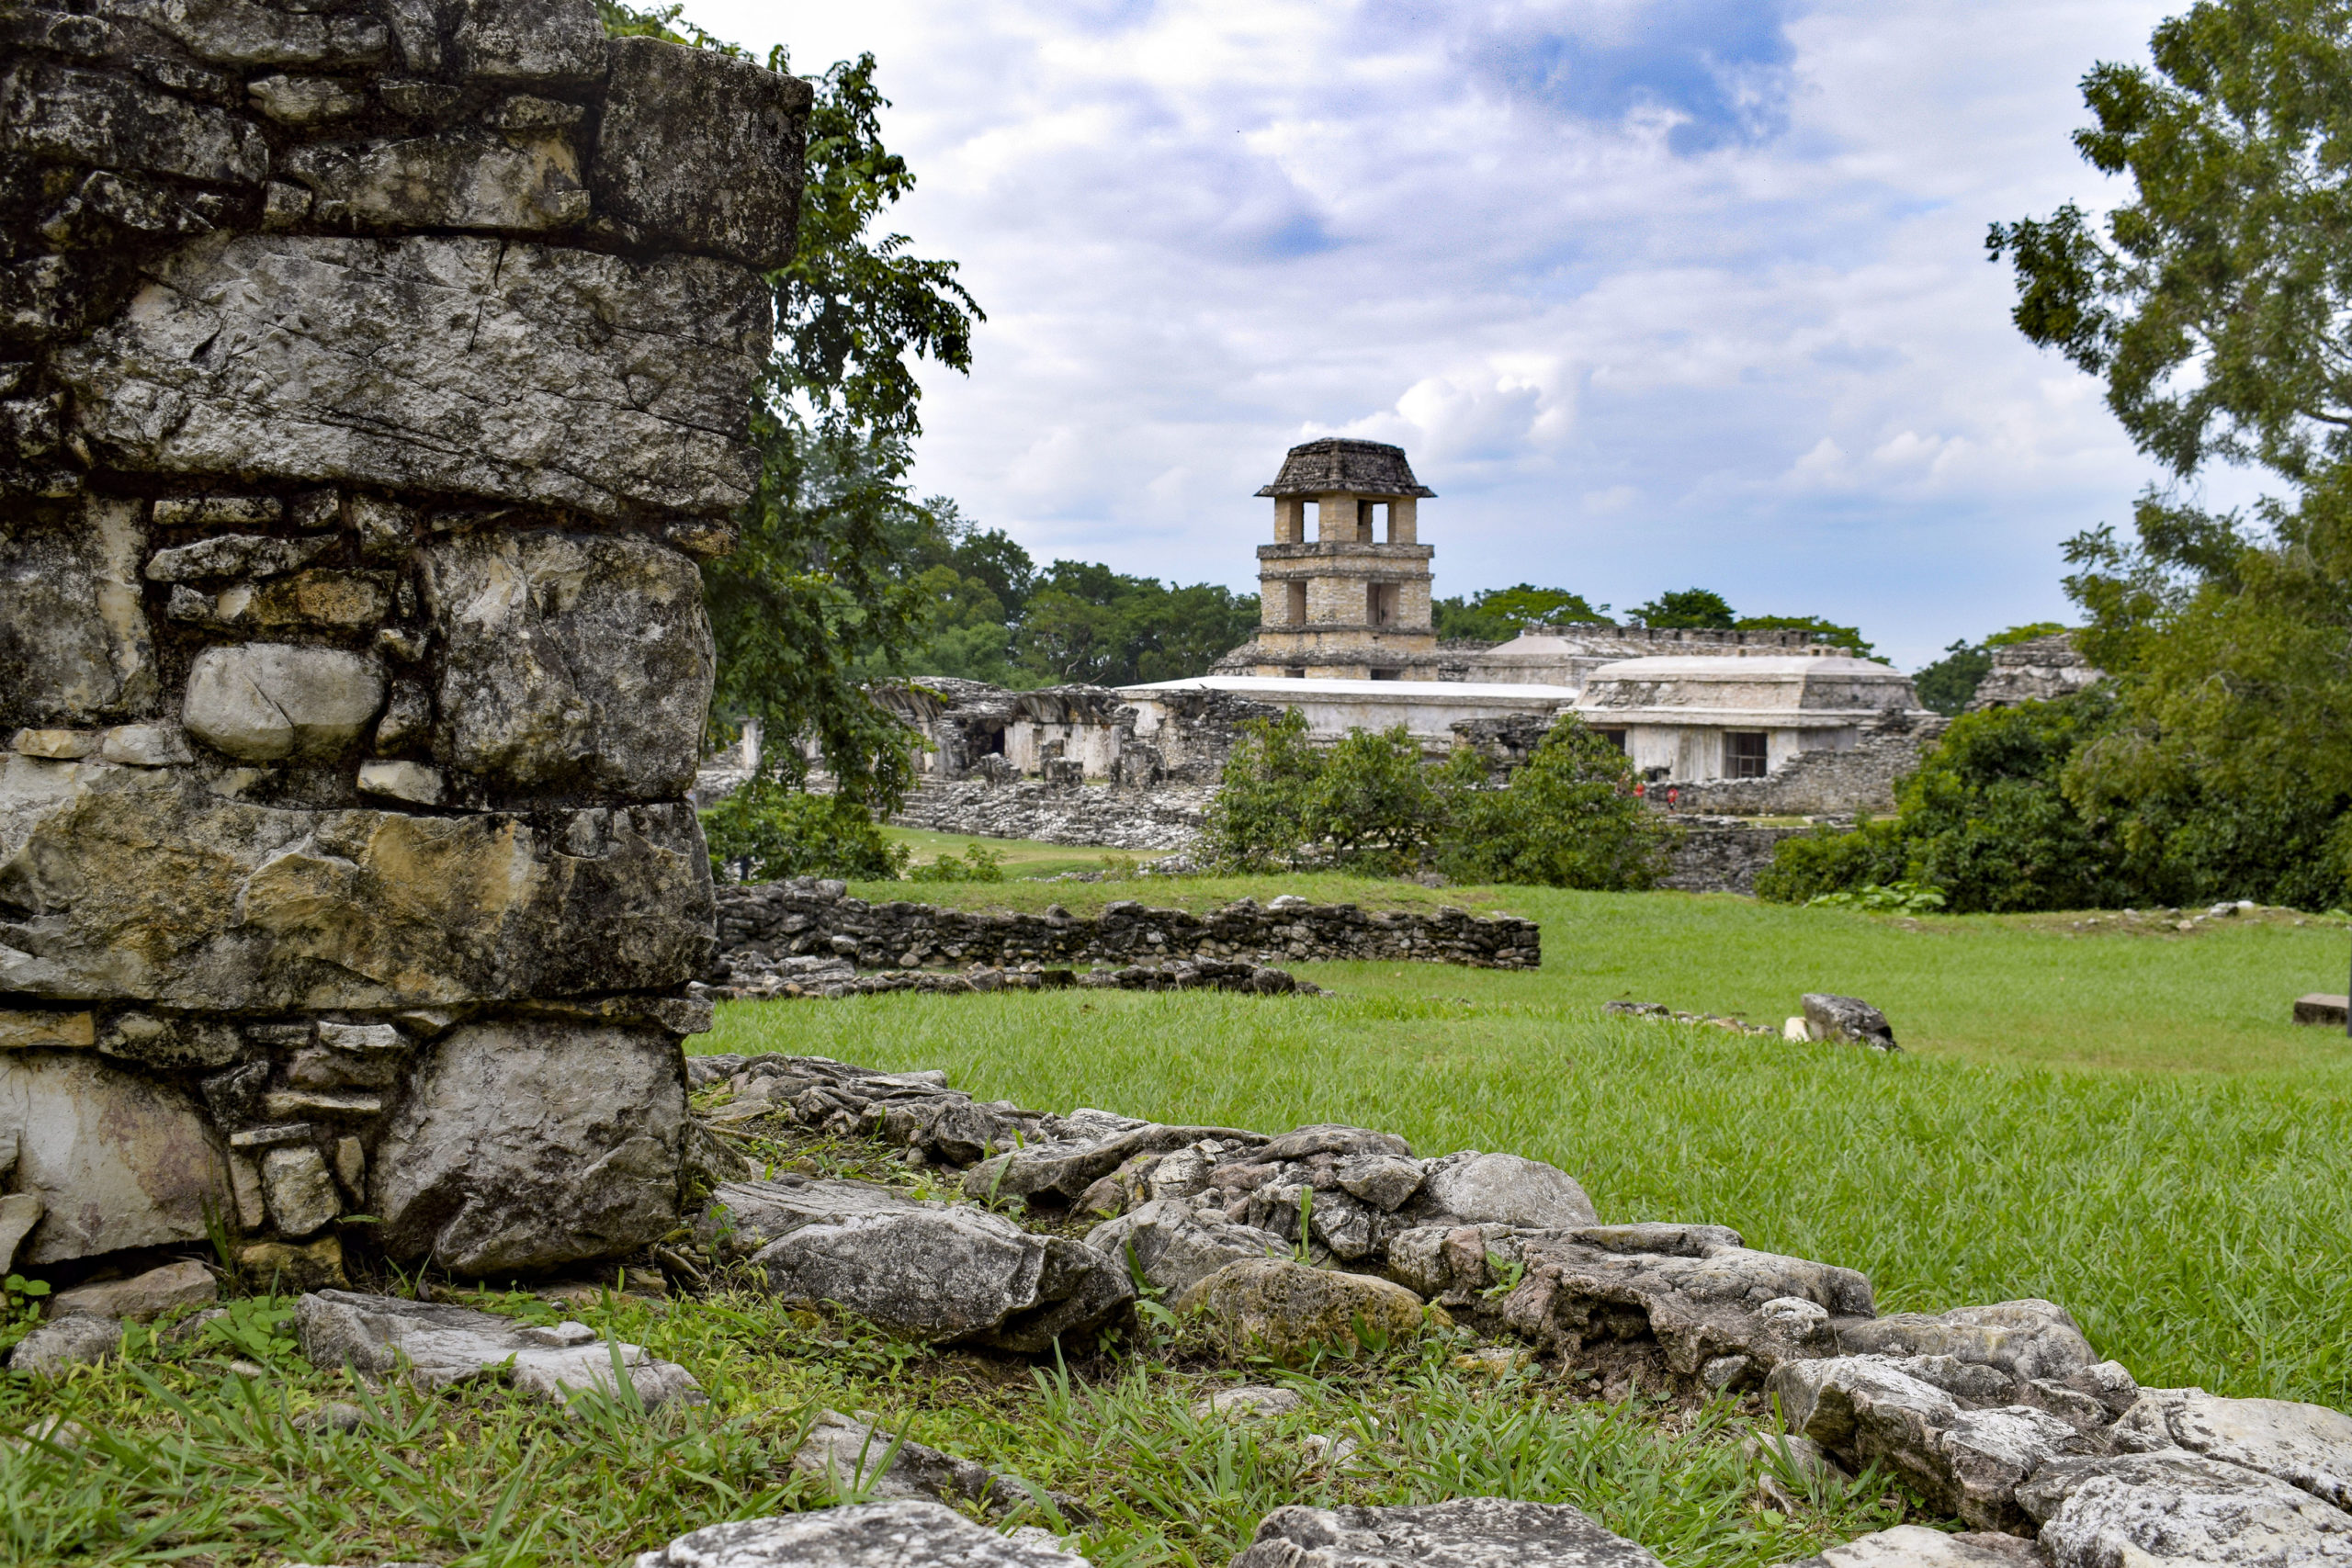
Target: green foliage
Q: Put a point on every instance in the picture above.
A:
(1259, 819)
(1825, 861)
(976, 863)
(2212, 305)
(1501, 613)
(1569, 818)
(1828, 633)
(1902, 898)
(766, 830)
(1686, 607)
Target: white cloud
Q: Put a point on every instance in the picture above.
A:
(1721, 255)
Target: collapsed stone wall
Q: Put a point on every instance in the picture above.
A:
(2041, 669)
(1721, 855)
(765, 922)
(1820, 782)
(1164, 819)
(374, 372)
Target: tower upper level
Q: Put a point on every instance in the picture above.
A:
(1360, 492)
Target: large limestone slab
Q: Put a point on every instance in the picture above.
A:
(523, 1147)
(573, 664)
(75, 646)
(514, 371)
(908, 1533)
(466, 179)
(117, 1160)
(2139, 1510)
(434, 1346)
(931, 1270)
(702, 151)
(1473, 1532)
(1174, 1246)
(2307, 1445)
(51, 111)
(141, 883)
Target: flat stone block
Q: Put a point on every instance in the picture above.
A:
(412, 782)
(142, 884)
(574, 665)
(702, 151)
(2322, 1008)
(481, 367)
(64, 744)
(21, 1029)
(74, 644)
(116, 1158)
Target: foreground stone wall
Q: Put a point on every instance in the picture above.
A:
(373, 375)
(760, 924)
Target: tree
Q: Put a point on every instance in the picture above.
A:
(1569, 818)
(1686, 607)
(1259, 819)
(813, 589)
(1501, 613)
(2213, 304)
(1828, 633)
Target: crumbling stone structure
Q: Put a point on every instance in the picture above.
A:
(374, 372)
(2041, 669)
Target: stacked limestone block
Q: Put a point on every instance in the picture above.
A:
(372, 373)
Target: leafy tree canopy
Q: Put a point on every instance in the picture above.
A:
(1695, 608)
(2212, 302)
(1501, 613)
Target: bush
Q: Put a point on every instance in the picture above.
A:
(1569, 818)
(978, 863)
(1257, 822)
(767, 830)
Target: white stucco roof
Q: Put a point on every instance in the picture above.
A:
(1745, 691)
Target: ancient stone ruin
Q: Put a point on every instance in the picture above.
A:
(374, 372)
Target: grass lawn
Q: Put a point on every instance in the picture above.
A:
(1022, 857)
(2119, 1120)
(2125, 1124)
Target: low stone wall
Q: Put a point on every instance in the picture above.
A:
(1721, 855)
(761, 923)
(1162, 819)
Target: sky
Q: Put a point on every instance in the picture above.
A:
(1655, 294)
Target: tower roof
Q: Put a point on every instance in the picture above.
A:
(1354, 467)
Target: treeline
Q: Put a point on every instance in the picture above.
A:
(991, 614)
(1501, 614)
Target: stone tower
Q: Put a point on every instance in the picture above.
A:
(1352, 604)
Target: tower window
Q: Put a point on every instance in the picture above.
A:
(1380, 602)
(1744, 754)
(1298, 594)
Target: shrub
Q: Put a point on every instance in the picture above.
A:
(978, 863)
(1569, 818)
(1371, 802)
(768, 829)
(1257, 820)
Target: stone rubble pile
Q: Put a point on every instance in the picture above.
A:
(373, 377)
(762, 925)
(2001, 1416)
